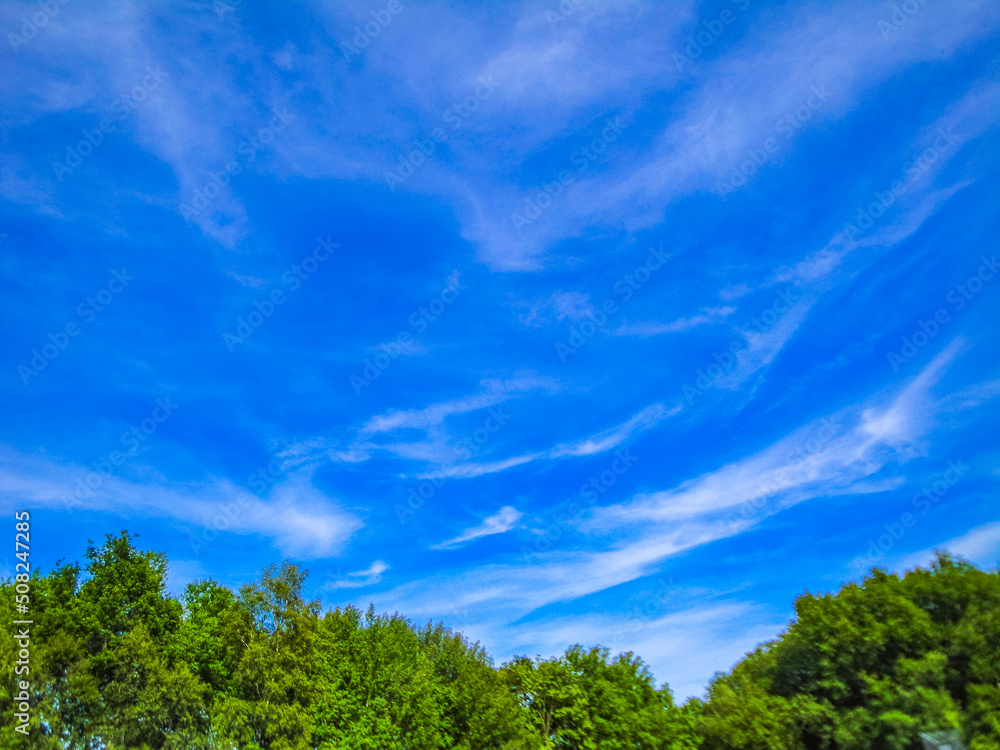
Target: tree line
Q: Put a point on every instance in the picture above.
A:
(118, 663)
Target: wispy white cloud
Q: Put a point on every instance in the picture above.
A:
(297, 518)
(971, 397)
(725, 114)
(444, 452)
(547, 75)
(844, 454)
(615, 436)
(359, 578)
(572, 305)
(980, 546)
(964, 120)
(787, 472)
(685, 646)
(600, 442)
(434, 415)
(499, 523)
(380, 434)
(761, 347)
(558, 306)
(816, 265)
(706, 316)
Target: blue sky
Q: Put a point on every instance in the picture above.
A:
(616, 323)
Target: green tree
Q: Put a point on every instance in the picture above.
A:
(556, 704)
(586, 699)
(150, 703)
(872, 666)
(479, 712)
(269, 703)
(118, 663)
(213, 635)
(379, 690)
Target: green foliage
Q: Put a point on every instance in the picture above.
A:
(586, 700)
(118, 663)
(212, 635)
(379, 687)
(872, 667)
(479, 711)
(269, 703)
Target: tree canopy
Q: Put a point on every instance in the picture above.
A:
(119, 663)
